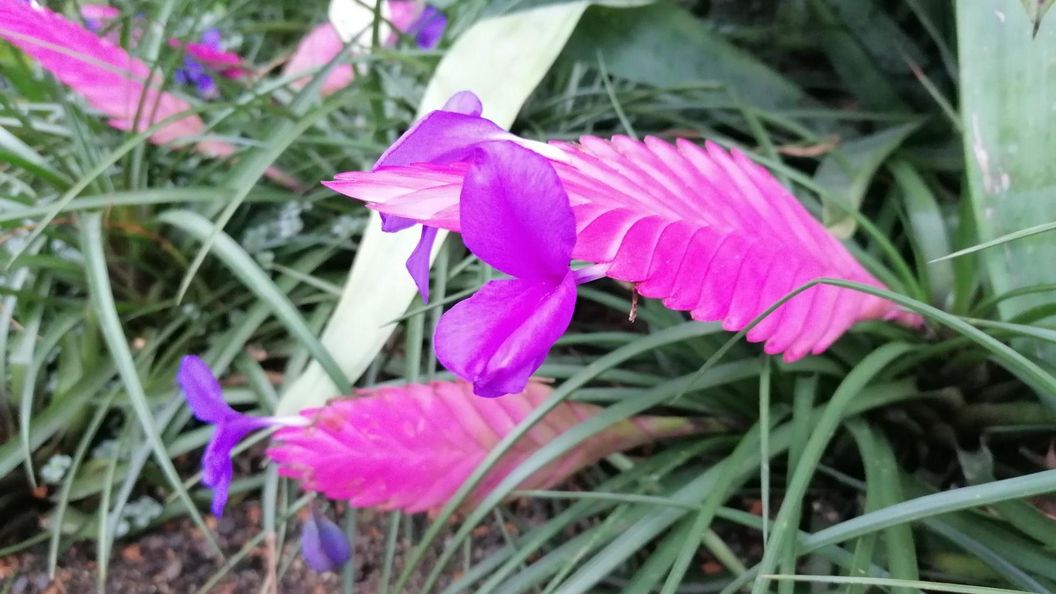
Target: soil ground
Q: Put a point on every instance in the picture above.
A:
(175, 558)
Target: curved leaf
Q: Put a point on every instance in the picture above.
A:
(411, 447)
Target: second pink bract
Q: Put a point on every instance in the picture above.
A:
(411, 447)
(323, 44)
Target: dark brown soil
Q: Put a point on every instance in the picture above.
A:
(175, 559)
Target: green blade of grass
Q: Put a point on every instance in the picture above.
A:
(257, 281)
(647, 343)
(848, 171)
(894, 583)
(824, 429)
(1007, 238)
(114, 335)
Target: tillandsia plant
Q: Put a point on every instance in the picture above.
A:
(704, 230)
(404, 448)
(407, 447)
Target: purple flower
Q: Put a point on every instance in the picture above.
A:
(323, 544)
(206, 399)
(515, 215)
(428, 28)
(444, 136)
(213, 39)
(193, 73)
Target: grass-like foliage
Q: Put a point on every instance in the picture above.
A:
(901, 459)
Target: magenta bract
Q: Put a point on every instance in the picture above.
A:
(705, 230)
(411, 447)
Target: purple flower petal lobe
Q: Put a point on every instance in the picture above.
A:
(465, 103)
(515, 213)
(441, 137)
(323, 544)
(418, 263)
(429, 27)
(500, 336)
(217, 468)
(202, 391)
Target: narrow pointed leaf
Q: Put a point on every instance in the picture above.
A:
(411, 447)
(847, 172)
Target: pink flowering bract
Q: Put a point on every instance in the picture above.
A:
(704, 229)
(411, 447)
(111, 81)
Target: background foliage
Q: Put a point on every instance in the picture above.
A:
(895, 455)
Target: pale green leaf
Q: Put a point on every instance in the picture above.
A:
(1008, 81)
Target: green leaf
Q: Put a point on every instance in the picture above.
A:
(1036, 10)
(501, 59)
(928, 230)
(117, 343)
(1008, 80)
(847, 172)
(1010, 237)
(824, 429)
(20, 154)
(663, 45)
(256, 280)
(848, 49)
(893, 583)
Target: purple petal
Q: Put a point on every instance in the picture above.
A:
(441, 137)
(217, 469)
(465, 103)
(212, 38)
(500, 336)
(202, 391)
(429, 27)
(323, 545)
(515, 214)
(418, 263)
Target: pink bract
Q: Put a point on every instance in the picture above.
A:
(110, 80)
(412, 447)
(703, 229)
(317, 48)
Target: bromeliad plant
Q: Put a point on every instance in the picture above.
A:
(682, 223)
(705, 230)
(901, 432)
(404, 448)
